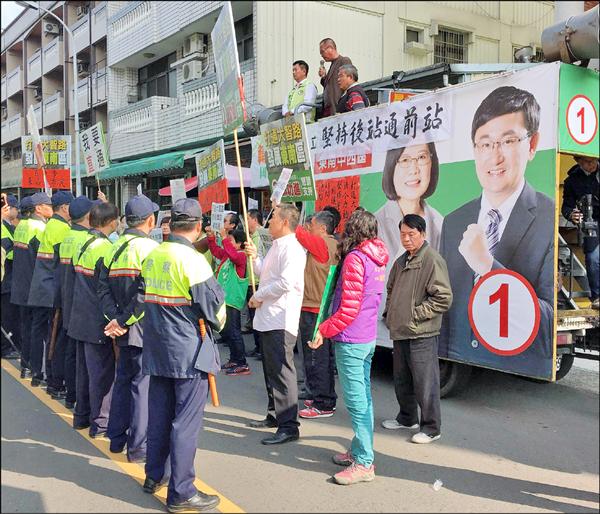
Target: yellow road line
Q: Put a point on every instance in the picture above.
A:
(134, 470)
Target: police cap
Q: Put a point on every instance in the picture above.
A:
(140, 207)
(26, 203)
(62, 198)
(12, 201)
(40, 199)
(186, 209)
(80, 206)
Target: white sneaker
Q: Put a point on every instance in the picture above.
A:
(423, 438)
(392, 424)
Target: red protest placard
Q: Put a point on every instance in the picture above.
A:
(216, 192)
(343, 193)
(32, 178)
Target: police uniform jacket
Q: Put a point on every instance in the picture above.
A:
(26, 243)
(86, 322)
(71, 245)
(44, 291)
(7, 243)
(119, 282)
(180, 289)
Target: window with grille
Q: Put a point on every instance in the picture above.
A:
(450, 46)
(157, 78)
(244, 35)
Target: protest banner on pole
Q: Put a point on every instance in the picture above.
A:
(177, 189)
(330, 284)
(252, 204)
(286, 146)
(95, 150)
(217, 216)
(281, 185)
(139, 188)
(55, 152)
(37, 147)
(212, 184)
(258, 166)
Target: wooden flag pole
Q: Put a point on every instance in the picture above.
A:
(239, 166)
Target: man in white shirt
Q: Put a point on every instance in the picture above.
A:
(303, 92)
(278, 302)
(510, 227)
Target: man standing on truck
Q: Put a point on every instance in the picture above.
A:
(582, 180)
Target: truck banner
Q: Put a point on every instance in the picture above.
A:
(212, 184)
(478, 162)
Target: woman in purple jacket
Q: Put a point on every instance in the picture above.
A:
(353, 327)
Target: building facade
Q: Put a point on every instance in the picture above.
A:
(159, 97)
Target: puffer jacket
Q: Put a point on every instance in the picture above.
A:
(358, 295)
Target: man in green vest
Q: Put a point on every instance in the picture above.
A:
(10, 312)
(303, 92)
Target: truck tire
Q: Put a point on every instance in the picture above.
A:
(564, 362)
(453, 377)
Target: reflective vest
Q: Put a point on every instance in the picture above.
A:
(26, 242)
(235, 287)
(180, 290)
(86, 321)
(45, 288)
(71, 245)
(7, 244)
(296, 97)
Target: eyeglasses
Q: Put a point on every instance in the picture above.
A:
(506, 144)
(423, 159)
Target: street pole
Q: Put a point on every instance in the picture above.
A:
(32, 5)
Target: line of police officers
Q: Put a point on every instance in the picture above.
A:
(116, 326)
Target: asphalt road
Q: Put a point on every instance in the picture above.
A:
(508, 445)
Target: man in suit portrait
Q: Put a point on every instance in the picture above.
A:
(510, 226)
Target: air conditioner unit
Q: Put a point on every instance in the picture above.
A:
(192, 70)
(84, 125)
(83, 68)
(51, 28)
(82, 10)
(416, 48)
(132, 98)
(194, 43)
(37, 93)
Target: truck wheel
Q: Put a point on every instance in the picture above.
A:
(453, 377)
(564, 362)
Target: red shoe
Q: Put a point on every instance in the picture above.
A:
(313, 412)
(238, 370)
(228, 365)
(308, 403)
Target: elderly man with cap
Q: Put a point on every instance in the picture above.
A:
(43, 293)
(123, 310)
(28, 235)
(180, 293)
(9, 312)
(79, 211)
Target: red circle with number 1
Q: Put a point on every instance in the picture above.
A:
(504, 312)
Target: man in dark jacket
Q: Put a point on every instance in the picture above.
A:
(582, 180)
(418, 294)
(10, 312)
(331, 89)
(354, 96)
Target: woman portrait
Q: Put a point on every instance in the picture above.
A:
(410, 175)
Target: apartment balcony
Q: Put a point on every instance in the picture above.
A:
(135, 129)
(81, 33)
(83, 96)
(34, 67)
(52, 55)
(54, 110)
(14, 82)
(11, 171)
(13, 128)
(4, 88)
(99, 86)
(99, 21)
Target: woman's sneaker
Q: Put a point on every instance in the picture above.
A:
(243, 369)
(313, 412)
(392, 424)
(423, 438)
(343, 459)
(354, 474)
(228, 365)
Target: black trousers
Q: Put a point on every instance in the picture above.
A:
(40, 331)
(25, 313)
(318, 364)
(70, 368)
(232, 334)
(417, 382)
(57, 362)
(280, 378)
(10, 323)
(251, 312)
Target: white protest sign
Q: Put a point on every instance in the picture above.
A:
(217, 216)
(95, 151)
(37, 146)
(252, 203)
(156, 234)
(177, 189)
(139, 188)
(279, 187)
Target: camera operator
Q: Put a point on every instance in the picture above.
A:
(583, 180)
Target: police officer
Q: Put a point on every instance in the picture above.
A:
(95, 354)
(117, 287)
(27, 237)
(180, 291)
(9, 311)
(79, 211)
(44, 287)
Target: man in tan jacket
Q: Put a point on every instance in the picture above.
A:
(418, 294)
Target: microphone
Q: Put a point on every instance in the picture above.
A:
(322, 63)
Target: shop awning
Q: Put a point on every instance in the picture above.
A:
(233, 180)
(147, 164)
